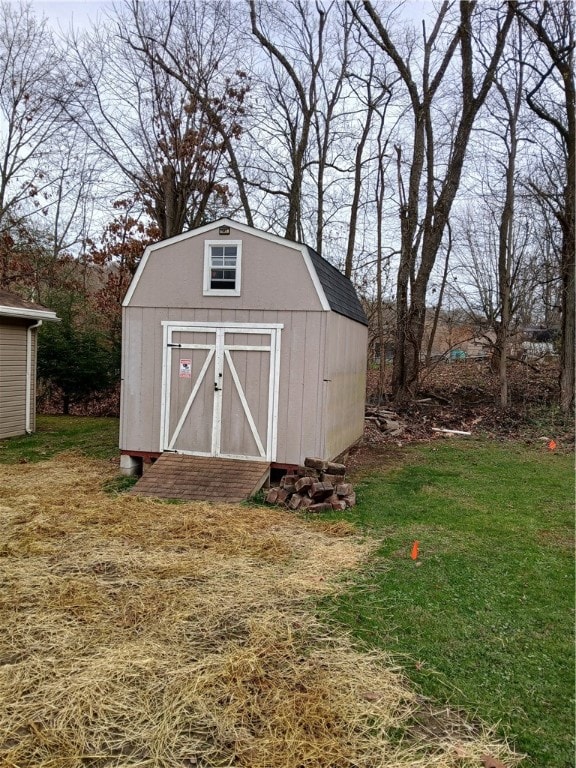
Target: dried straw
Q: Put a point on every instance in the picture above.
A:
(140, 633)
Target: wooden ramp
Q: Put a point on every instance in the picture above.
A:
(199, 478)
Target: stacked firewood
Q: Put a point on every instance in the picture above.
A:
(316, 486)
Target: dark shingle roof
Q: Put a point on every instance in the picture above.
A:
(17, 302)
(340, 292)
(12, 305)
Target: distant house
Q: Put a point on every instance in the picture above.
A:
(19, 323)
(454, 340)
(240, 344)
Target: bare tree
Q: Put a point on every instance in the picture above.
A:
(553, 99)
(154, 129)
(30, 115)
(504, 135)
(304, 95)
(431, 184)
(196, 44)
(373, 88)
(476, 282)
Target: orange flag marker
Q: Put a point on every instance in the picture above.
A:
(414, 553)
(552, 445)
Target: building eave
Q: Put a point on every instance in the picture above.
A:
(28, 314)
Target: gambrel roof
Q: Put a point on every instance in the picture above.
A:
(339, 290)
(335, 291)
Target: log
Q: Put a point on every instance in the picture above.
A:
(450, 431)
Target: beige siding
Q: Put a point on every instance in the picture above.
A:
(346, 346)
(300, 409)
(273, 275)
(12, 377)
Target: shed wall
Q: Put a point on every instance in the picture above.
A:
(301, 387)
(13, 377)
(345, 367)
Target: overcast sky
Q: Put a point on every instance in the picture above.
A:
(63, 13)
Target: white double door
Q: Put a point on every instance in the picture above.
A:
(220, 389)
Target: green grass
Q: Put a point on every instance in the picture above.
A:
(484, 618)
(95, 437)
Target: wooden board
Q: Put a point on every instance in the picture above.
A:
(198, 478)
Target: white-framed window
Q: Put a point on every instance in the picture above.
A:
(222, 267)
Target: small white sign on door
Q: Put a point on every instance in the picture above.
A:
(185, 369)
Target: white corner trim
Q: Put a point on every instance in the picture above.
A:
(199, 325)
(315, 279)
(136, 279)
(30, 368)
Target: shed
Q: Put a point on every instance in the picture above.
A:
(19, 323)
(242, 345)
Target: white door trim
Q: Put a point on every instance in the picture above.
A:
(220, 352)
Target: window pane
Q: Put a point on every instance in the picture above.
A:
(223, 267)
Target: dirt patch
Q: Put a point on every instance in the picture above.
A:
(562, 538)
(140, 633)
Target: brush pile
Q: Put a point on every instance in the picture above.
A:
(384, 420)
(316, 486)
(141, 633)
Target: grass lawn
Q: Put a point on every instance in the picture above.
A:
(140, 633)
(483, 618)
(96, 438)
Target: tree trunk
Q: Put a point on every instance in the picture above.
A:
(558, 41)
(423, 239)
(567, 361)
(440, 299)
